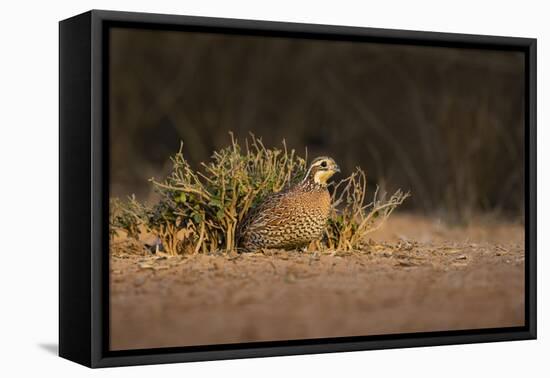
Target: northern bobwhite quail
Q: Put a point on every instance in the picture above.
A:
(293, 217)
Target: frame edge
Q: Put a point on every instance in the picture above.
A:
(74, 189)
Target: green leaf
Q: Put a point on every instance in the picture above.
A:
(181, 198)
(215, 203)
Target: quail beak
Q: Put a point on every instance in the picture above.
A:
(336, 169)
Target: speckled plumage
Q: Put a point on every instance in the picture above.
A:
(291, 218)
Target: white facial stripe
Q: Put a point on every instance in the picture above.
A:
(321, 176)
(316, 164)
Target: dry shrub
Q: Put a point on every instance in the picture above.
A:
(200, 209)
(125, 216)
(352, 218)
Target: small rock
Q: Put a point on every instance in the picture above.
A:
(290, 278)
(139, 281)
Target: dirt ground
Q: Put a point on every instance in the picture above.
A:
(417, 275)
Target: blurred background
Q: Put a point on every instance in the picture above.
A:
(446, 124)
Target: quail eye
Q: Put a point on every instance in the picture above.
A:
(324, 164)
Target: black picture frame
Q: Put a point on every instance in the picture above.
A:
(84, 189)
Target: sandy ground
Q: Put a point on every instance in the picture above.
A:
(417, 275)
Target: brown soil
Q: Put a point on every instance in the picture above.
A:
(417, 275)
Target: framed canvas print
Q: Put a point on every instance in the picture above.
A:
(233, 188)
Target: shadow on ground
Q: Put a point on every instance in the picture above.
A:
(52, 348)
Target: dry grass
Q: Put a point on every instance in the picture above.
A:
(353, 217)
(200, 210)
